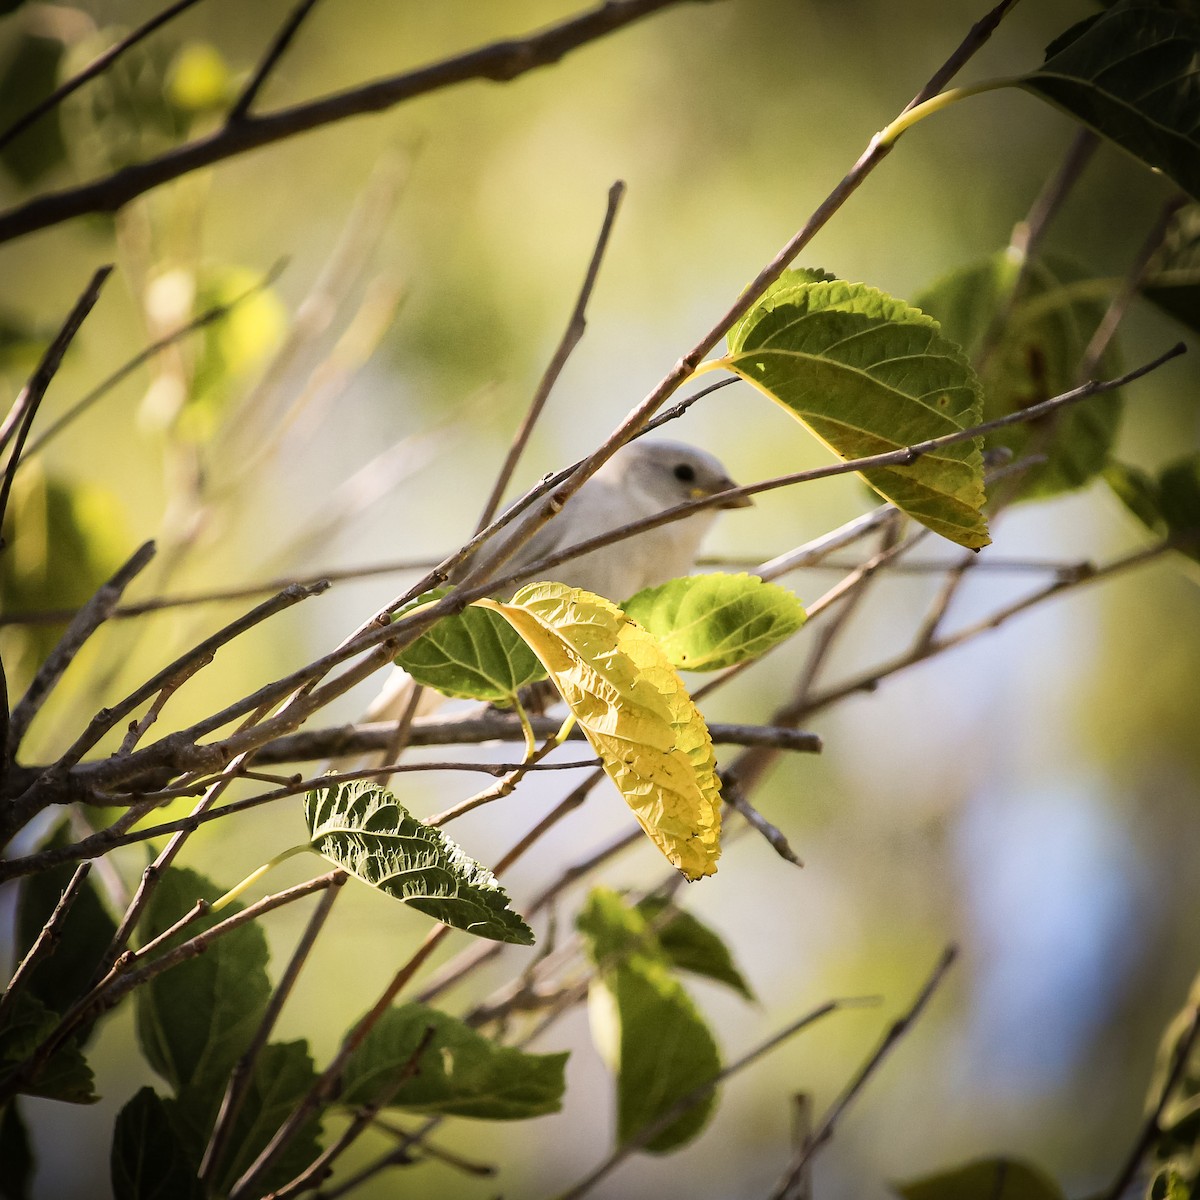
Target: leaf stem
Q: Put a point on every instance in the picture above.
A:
(255, 875)
(889, 135)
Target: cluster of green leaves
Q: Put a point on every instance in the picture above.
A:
(655, 1040)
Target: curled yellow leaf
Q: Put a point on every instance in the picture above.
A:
(634, 710)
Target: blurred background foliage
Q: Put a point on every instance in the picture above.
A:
(1032, 795)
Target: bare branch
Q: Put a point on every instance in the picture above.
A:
(275, 52)
(500, 62)
(576, 327)
(895, 1032)
(86, 622)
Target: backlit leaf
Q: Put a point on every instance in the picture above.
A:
(868, 374)
(646, 1025)
(461, 1073)
(473, 655)
(1130, 74)
(366, 831)
(1034, 355)
(634, 710)
(707, 622)
(195, 1019)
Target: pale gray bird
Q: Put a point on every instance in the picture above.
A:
(643, 478)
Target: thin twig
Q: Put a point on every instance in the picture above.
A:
(117, 985)
(97, 66)
(20, 418)
(208, 317)
(500, 62)
(698, 1094)
(576, 327)
(329, 1079)
(322, 1166)
(895, 1032)
(46, 939)
(89, 618)
(275, 52)
(1151, 1129)
(243, 1071)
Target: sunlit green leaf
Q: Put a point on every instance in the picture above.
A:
(63, 974)
(707, 622)
(198, 79)
(366, 831)
(66, 1076)
(148, 1160)
(461, 1073)
(474, 655)
(195, 1019)
(1034, 354)
(1130, 74)
(647, 1026)
(690, 945)
(868, 374)
(993, 1179)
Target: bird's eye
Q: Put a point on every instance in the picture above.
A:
(685, 473)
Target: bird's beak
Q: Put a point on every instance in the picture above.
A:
(724, 485)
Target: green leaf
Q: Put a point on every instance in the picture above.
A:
(474, 655)
(16, 1154)
(198, 79)
(1170, 1183)
(647, 1025)
(1168, 506)
(66, 1076)
(63, 975)
(868, 374)
(990, 1179)
(636, 713)
(366, 831)
(1035, 356)
(690, 945)
(195, 1020)
(148, 1160)
(461, 1073)
(283, 1075)
(1129, 73)
(28, 76)
(707, 622)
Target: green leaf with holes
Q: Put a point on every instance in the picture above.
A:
(707, 622)
(472, 655)
(868, 374)
(1130, 74)
(366, 831)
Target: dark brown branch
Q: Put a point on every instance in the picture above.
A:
(277, 49)
(86, 622)
(576, 327)
(895, 1032)
(500, 62)
(97, 66)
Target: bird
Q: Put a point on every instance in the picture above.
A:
(643, 478)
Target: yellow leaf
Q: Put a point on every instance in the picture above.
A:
(633, 708)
